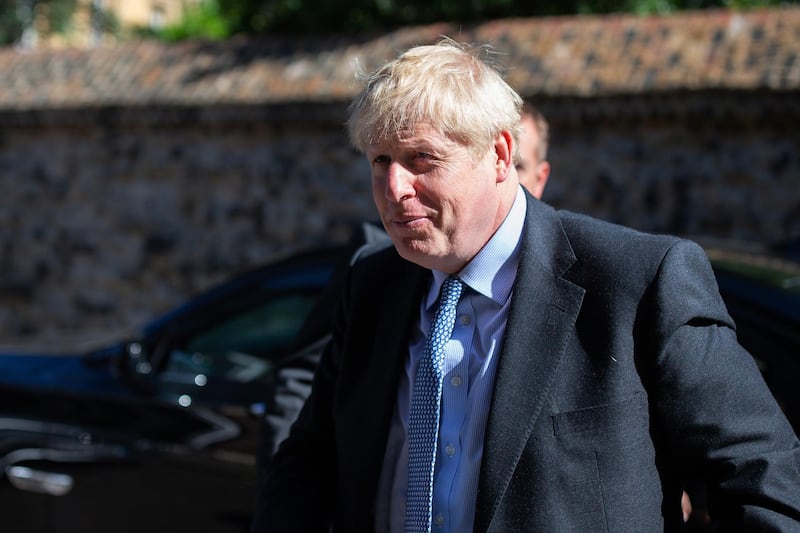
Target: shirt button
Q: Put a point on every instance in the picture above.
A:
(455, 381)
(450, 450)
(465, 320)
(439, 520)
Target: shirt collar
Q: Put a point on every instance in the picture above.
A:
(492, 271)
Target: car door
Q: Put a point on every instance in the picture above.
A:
(129, 465)
(176, 451)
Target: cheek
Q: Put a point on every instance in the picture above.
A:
(378, 184)
(474, 202)
(378, 199)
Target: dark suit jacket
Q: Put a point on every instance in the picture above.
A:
(620, 377)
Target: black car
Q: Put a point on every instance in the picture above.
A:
(160, 433)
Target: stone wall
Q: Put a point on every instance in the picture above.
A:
(111, 216)
(722, 165)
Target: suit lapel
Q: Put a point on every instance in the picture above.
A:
(542, 316)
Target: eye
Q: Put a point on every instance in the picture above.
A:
(380, 160)
(422, 161)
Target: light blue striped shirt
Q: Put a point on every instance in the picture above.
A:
(469, 368)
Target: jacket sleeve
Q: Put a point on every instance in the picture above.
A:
(721, 421)
(297, 490)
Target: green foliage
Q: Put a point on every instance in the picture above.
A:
(17, 15)
(206, 20)
(11, 26)
(324, 16)
(220, 19)
(59, 13)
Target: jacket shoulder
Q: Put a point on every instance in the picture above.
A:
(614, 256)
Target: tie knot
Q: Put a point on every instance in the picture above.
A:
(451, 291)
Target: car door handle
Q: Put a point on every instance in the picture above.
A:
(39, 481)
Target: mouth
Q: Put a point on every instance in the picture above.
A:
(408, 220)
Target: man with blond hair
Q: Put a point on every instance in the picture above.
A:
(506, 367)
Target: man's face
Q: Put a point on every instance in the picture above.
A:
(439, 202)
(532, 172)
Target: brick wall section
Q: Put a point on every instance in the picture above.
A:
(105, 223)
(101, 226)
(718, 164)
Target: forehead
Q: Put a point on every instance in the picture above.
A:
(421, 136)
(528, 126)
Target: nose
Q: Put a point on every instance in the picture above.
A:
(399, 182)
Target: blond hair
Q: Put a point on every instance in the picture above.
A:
(448, 86)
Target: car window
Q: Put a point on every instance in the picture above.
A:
(243, 347)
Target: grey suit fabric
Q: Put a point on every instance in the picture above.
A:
(619, 379)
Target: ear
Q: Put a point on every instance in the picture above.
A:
(504, 155)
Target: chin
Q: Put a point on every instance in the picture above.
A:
(422, 254)
(414, 250)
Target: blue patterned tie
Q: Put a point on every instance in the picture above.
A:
(423, 417)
